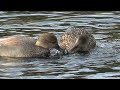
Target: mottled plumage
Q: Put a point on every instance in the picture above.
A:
(77, 40)
(22, 46)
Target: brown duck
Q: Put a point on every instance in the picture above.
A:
(77, 40)
(22, 46)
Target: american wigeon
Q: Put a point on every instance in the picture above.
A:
(22, 46)
(77, 40)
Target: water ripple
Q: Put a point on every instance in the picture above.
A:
(101, 63)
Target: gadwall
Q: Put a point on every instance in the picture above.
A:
(77, 40)
(22, 46)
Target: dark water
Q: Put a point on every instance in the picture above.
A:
(101, 63)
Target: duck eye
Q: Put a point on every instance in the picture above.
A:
(53, 42)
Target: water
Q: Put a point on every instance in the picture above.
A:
(101, 63)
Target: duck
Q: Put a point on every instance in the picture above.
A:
(24, 46)
(75, 40)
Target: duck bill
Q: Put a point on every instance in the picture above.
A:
(74, 49)
(59, 49)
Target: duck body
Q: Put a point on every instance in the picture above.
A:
(21, 46)
(77, 40)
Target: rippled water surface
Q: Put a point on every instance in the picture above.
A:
(101, 63)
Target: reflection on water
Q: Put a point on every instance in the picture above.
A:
(101, 63)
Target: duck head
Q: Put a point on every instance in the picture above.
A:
(49, 41)
(80, 44)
